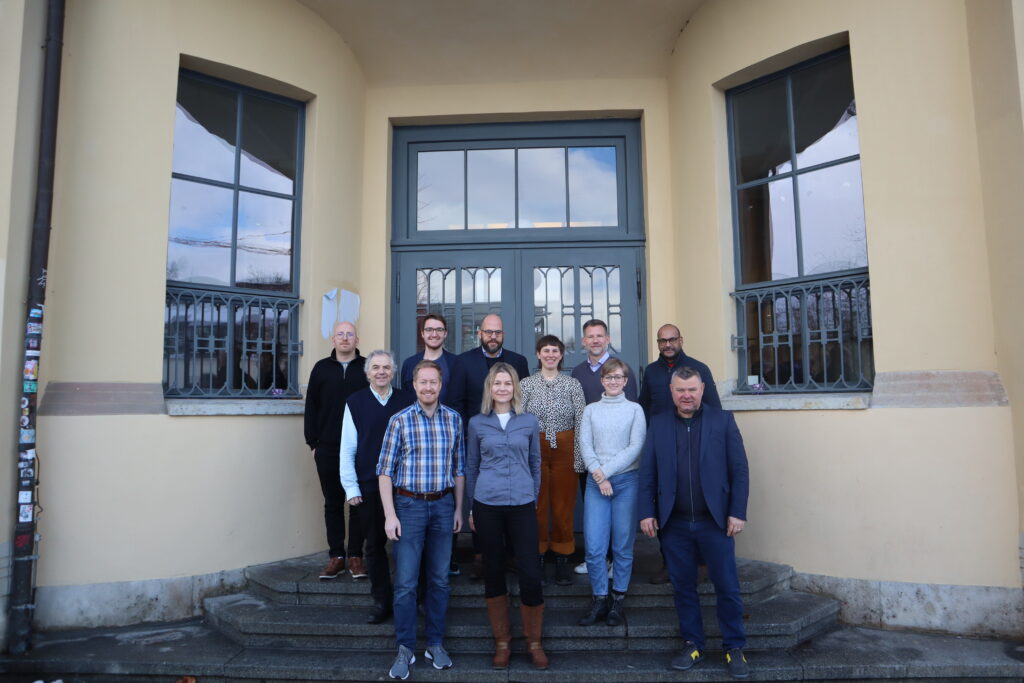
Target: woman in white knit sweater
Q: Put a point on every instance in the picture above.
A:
(611, 437)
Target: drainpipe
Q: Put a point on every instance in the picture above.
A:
(21, 605)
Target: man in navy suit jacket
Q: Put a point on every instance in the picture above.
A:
(433, 332)
(694, 483)
(477, 362)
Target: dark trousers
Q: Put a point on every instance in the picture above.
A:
(371, 526)
(683, 543)
(356, 535)
(519, 522)
(334, 497)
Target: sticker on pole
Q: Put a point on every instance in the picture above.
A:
(24, 513)
(24, 497)
(26, 436)
(31, 370)
(30, 387)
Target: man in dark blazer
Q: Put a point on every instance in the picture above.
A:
(477, 362)
(433, 332)
(694, 484)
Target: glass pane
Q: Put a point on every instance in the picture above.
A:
(600, 298)
(832, 219)
(264, 252)
(199, 235)
(269, 132)
(440, 191)
(824, 112)
(554, 304)
(481, 294)
(542, 187)
(760, 131)
(767, 232)
(204, 131)
(593, 187)
(435, 293)
(491, 188)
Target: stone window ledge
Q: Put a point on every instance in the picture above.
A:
(227, 406)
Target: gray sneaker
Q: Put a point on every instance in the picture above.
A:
(690, 655)
(403, 660)
(439, 656)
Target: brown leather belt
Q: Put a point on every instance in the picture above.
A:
(424, 496)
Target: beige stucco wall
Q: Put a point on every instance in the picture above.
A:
(888, 494)
(164, 496)
(996, 34)
(537, 101)
(915, 495)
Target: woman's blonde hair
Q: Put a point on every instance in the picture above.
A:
(487, 403)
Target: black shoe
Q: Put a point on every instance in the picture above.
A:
(736, 663)
(453, 568)
(598, 611)
(380, 614)
(615, 611)
(686, 659)
(563, 572)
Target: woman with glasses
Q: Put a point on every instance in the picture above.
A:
(611, 437)
(557, 400)
(502, 480)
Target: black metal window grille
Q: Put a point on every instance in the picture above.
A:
(806, 337)
(231, 310)
(224, 345)
(802, 285)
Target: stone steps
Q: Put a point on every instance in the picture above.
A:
(254, 621)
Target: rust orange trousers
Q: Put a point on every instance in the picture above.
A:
(557, 495)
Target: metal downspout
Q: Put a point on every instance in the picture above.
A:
(21, 605)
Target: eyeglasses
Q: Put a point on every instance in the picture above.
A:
(492, 333)
(614, 378)
(433, 330)
(345, 335)
(670, 340)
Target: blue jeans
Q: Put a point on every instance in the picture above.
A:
(610, 518)
(682, 543)
(426, 533)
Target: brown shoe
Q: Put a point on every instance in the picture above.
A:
(497, 613)
(661, 577)
(334, 569)
(356, 568)
(533, 624)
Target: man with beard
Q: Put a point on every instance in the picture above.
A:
(477, 362)
(331, 382)
(421, 476)
(434, 332)
(655, 396)
(367, 413)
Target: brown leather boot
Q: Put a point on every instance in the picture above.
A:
(533, 624)
(497, 612)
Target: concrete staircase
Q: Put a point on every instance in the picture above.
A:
(287, 606)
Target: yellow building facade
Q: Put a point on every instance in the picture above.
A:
(906, 501)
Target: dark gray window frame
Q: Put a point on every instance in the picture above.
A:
(851, 284)
(183, 298)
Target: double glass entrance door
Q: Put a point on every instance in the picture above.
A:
(536, 291)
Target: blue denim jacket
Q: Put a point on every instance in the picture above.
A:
(503, 465)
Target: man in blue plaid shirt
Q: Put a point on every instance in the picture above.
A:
(421, 473)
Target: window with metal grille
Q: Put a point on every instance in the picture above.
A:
(231, 310)
(802, 288)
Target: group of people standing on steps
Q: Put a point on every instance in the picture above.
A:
(475, 439)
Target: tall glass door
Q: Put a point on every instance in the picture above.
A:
(536, 292)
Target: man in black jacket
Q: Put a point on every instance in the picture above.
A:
(655, 396)
(331, 382)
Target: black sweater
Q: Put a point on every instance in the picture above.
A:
(330, 384)
(370, 419)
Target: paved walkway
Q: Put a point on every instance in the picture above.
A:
(190, 648)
